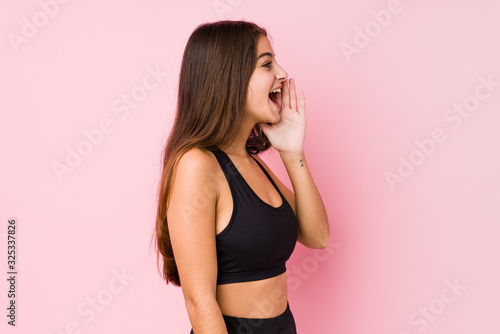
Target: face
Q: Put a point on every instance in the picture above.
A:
(267, 77)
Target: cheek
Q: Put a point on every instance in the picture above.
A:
(255, 96)
(252, 103)
(251, 96)
(258, 92)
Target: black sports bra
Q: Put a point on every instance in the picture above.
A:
(259, 238)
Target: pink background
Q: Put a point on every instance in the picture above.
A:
(395, 249)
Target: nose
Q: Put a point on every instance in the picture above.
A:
(281, 75)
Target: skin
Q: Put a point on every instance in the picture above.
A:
(201, 202)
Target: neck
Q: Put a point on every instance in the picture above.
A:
(238, 146)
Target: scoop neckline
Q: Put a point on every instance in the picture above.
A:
(283, 199)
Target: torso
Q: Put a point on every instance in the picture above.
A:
(256, 299)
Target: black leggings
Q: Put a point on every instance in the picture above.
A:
(282, 324)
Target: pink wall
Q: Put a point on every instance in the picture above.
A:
(402, 141)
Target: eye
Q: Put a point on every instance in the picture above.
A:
(268, 64)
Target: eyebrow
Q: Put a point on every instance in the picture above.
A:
(265, 54)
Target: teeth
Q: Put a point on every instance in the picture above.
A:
(277, 91)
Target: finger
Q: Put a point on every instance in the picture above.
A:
(302, 102)
(285, 100)
(293, 95)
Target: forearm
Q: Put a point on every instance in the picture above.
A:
(314, 230)
(205, 316)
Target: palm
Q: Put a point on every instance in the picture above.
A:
(288, 135)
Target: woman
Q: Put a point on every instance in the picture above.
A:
(226, 224)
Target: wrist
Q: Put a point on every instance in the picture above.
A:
(292, 156)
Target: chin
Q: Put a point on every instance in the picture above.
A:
(271, 116)
(273, 119)
(275, 116)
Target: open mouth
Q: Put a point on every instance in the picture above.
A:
(273, 96)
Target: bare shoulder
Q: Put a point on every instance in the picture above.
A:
(198, 163)
(196, 171)
(197, 159)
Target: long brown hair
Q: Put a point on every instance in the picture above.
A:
(217, 64)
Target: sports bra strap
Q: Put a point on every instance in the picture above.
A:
(231, 168)
(267, 174)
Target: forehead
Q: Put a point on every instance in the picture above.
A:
(264, 45)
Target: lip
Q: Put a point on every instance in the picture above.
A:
(276, 105)
(280, 86)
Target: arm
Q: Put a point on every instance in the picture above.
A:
(314, 231)
(191, 223)
(287, 137)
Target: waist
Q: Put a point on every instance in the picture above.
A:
(265, 298)
(280, 323)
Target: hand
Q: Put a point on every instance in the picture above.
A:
(288, 135)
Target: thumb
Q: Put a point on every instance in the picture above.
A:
(265, 127)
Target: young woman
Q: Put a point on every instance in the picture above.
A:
(226, 225)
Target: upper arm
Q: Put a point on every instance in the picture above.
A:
(191, 223)
(289, 195)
